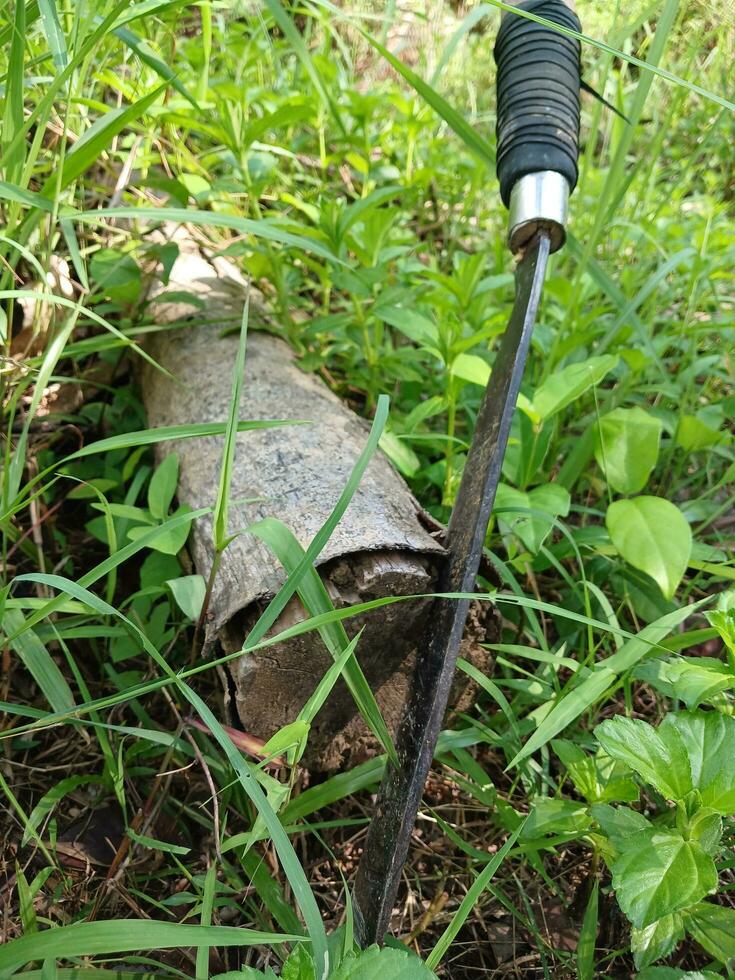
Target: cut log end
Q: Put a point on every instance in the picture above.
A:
(296, 473)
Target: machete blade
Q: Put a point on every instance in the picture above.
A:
(389, 835)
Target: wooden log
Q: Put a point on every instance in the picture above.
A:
(384, 545)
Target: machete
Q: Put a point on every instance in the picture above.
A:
(538, 73)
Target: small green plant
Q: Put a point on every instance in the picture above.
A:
(663, 861)
(388, 963)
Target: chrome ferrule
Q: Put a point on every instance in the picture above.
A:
(538, 202)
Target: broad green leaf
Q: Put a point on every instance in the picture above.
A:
(414, 325)
(400, 454)
(693, 434)
(188, 592)
(171, 540)
(713, 927)
(122, 936)
(569, 384)
(387, 963)
(659, 873)
(555, 816)
(660, 758)
(299, 965)
(472, 368)
(657, 940)
(627, 448)
(116, 274)
(532, 529)
(723, 620)
(688, 679)
(709, 741)
(162, 488)
(619, 821)
(653, 535)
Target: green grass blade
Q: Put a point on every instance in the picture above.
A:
(124, 936)
(468, 902)
(13, 150)
(150, 58)
(287, 856)
(315, 598)
(37, 661)
(278, 603)
(205, 919)
(53, 33)
(579, 697)
(243, 226)
(649, 67)
(323, 689)
(588, 937)
(170, 433)
(471, 19)
(98, 137)
(472, 139)
(296, 41)
(221, 506)
(103, 569)
(21, 195)
(43, 107)
(289, 861)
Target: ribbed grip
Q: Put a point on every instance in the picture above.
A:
(538, 82)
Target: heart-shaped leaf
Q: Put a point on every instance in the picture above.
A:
(653, 535)
(188, 591)
(659, 873)
(382, 964)
(659, 757)
(657, 940)
(708, 738)
(627, 448)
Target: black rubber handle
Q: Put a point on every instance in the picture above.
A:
(538, 84)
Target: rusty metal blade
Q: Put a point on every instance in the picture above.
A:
(389, 835)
